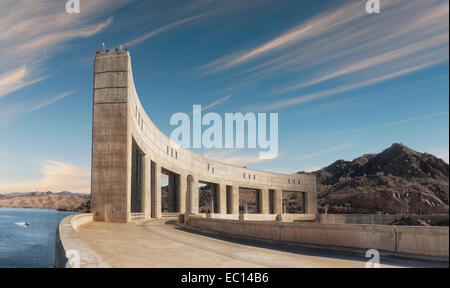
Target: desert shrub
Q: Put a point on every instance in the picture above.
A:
(344, 179)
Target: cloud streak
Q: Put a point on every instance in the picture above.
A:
(395, 123)
(31, 31)
(343, 49)
(334, 91)
(162, 29)
(11, 111)
(230, 157)
(324, 152)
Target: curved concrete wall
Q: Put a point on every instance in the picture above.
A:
(410, 241)
(375, 218)
(67, 239)
(119, 119)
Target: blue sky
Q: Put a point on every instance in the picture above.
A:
(344, 82)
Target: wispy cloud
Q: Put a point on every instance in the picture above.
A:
(56, 176)
(346, 48)
(385, 58)
(219, 102)
(31, 31)
(334, 91)
(395, 123)
(162, 29)
(324, 152)
(15, 80)
(8, 112)
(233, 157)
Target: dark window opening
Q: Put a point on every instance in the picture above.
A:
(207, 197)
(136, 179)
(294, 202)
(169, 191)
(249, 201)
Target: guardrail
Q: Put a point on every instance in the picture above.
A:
(430, 243)
(70, 250)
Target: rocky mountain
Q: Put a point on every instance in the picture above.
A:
(64, 201)
(398, 180)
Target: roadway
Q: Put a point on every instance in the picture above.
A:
(128, 245)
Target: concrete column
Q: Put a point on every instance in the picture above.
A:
(311, 202)
(158, 212)
(264, 201)
(234, 199)
(222, 197)
(183, 185)
(193, 194)
(278, 201)
(190, 197)
(146, 185)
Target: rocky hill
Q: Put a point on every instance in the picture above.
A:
(64, 201)
(397, 180)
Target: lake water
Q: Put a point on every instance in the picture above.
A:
(22, 247)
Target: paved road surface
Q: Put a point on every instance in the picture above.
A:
(128, 245)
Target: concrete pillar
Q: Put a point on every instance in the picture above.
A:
(222, 197)
(311, 202)
(158, 212)
(146, 185)
(264, 201)
(193, 194)
(234, 199)
(183, 186)
(278, 201)
(189, 196)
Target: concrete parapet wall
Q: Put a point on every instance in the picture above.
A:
(258, 217)
(68, 240)
(81, 219)
(415, 242)
(262, 217)
(297, 217)
(374, 218)
(223, 216)
(422, 240)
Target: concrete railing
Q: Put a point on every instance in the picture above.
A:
(409, 241)
(258, 217)
(78, 220)
(69, 245)
(137, 217)
(375, 218)
(262, 217)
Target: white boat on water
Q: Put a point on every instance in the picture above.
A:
(23, 224)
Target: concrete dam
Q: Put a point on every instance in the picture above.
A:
(147, 208)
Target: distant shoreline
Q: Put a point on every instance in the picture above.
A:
(33, 208)
(63, 201)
